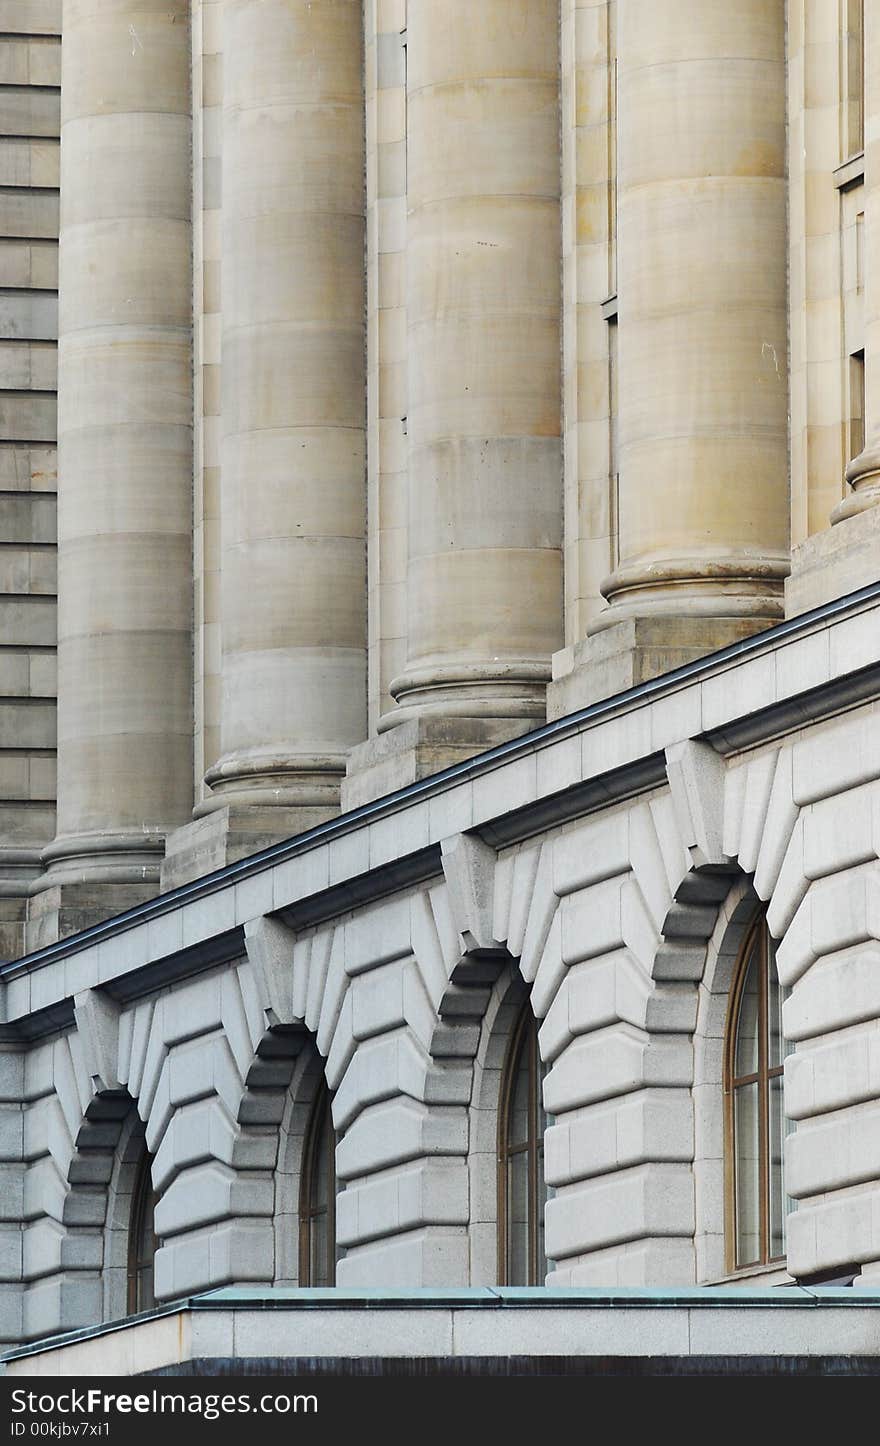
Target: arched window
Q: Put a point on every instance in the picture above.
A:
(142, 1242)
(755, 1122)
(522, 1193)
(317, 1198)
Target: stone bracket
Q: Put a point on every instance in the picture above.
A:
(269, 945)
(97, 1022)
(696, 780)
(469, 869)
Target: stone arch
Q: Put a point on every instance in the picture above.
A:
(302, 1092)
(503, 1007)
(95, 1225)
(735, 918)
(129, 1154)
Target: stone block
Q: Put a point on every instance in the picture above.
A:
(595, 995)
(613, 1062)
(832, 563)
(11, 1326)
(436, 1257)
(846, 1071)
(243, 1252)
(780, 819)
(398, 835)
(842, 831)
(469, 869)
(821, 1156)
(380, 934)
(649, 1200)
(835, 993)
(590, 851)
(377, 1001)
(830, 759)
(269, 945)
(837, 913)
(228, 834)
(428, 1193)
(63, 909)
(696, 781)
(654, 1125)
(416, 750)
(61, 1303)
(97, 1020)
(625, 654)
(653, 1263)
(835, 1232)
(381, 1069)
(10, 1254)
(397, 1131)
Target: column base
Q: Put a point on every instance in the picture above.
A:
(19, 867)
(418, 748)
(627, 653)
(835, 562)
(229, 833)
(58, 910)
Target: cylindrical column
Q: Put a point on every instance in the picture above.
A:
(124, 439)
(483, 299)
(703, 396)
(863, 472)
(293, 497)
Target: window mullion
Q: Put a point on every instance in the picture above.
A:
(763, 1102)
(532, 1159)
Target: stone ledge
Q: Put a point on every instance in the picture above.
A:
(831, 564)
(633, 651)
(416, 749)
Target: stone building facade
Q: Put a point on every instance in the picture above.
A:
(468, 661)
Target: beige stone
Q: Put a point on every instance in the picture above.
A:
(834, 562)
(292, 585)
(483, 419)
(703, 500)
(125, 449)
(863, 472)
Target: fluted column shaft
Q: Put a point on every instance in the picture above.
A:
(293, 488)
(125, 437)
(483, 300)
(703, 501)
(863, 472)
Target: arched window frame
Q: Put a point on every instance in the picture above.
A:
(142, 1240)
(523, 1037)
(320, 1134)
(757, 938)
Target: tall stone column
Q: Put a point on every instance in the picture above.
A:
(483, 302)
(293, 498)
(703, 396)
(125, 455)
(863, 472)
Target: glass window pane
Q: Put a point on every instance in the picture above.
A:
(321, 1170)
(518, 1118)
(518, 1219)
(780, 1203)
(542, 1191)
(319, 1262)
(776, 1050)
(142, 1243)
(746, 1053)
(747, 1174)
(317, 1200)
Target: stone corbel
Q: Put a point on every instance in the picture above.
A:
(696, 781)
(97, 1023)
(469, 869)
(269, 945)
